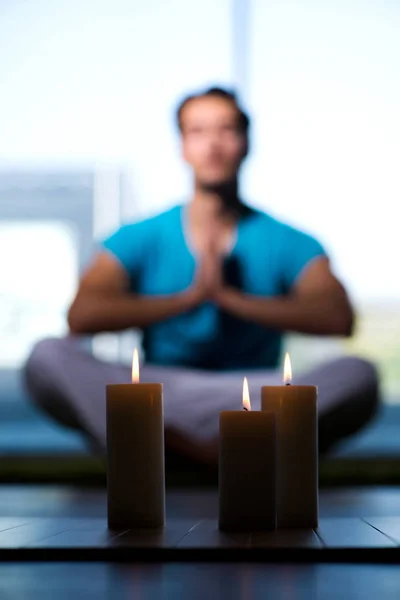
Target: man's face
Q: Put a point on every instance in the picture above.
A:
(212, 143)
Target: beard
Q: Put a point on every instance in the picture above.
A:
(227, 191)
(225, 188)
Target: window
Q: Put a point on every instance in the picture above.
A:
(34, 255)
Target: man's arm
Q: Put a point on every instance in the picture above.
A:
(317, 304)
(104, 303)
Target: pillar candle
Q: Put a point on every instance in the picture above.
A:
(297, 450)
(247, 495)
(135, 453)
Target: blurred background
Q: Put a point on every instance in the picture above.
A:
(88, 141)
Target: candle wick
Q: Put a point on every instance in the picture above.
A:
(246, 409)
(288, 383)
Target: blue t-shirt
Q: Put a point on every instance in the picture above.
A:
(266, 260)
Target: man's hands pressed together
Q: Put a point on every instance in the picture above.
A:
(208, 282)
(317, 303)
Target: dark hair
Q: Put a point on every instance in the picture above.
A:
(216, 92)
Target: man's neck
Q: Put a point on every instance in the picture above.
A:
(221, 203)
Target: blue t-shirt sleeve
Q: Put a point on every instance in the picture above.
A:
(298, 249)
(128, 245)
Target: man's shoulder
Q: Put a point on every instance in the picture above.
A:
(153, 221)
(277, 225)
(263, 220)
(281, 233)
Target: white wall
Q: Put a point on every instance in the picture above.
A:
(325, 91)
(95, 80)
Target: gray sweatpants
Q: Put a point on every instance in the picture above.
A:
(68, 383)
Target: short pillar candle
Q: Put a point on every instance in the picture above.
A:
(297, 450)
(247, 493)
(135, 453)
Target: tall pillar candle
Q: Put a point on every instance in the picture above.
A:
(297, 450)
(247, 494)
(135, 453)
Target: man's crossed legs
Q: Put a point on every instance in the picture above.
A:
(68, 383)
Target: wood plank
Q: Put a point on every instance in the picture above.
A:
(38, 529)
(71, 538)
(351, 533)
(98, 536)
(168, 537)
(389, 526)
(207, 535)
(87, 524)
(10, 522)
(285, 538)
(35, 529)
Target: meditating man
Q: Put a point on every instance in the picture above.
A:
(212, 284)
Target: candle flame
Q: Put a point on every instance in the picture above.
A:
(135, 367)
(246, 395)
(287, 369)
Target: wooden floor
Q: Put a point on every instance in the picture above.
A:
(31, 517)
(373, 540)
